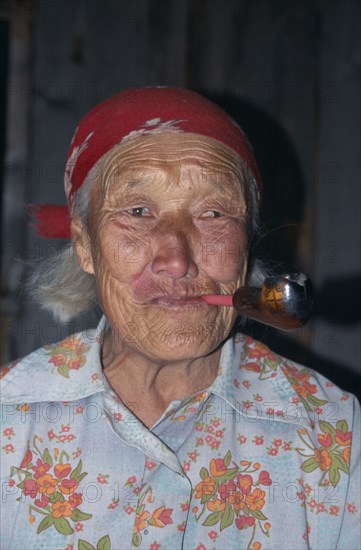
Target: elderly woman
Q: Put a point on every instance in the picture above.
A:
(160, 430)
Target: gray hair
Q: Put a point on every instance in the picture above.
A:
(61, 286)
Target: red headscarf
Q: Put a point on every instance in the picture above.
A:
(132, 113)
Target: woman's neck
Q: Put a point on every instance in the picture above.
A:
(146, 386)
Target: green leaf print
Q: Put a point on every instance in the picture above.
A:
(81, 477)
(334, 475)
(326, 427)
(340, 463)
(55, 497)
(74, 474)
(47, 458)
(259, 515)
(227, 459)
(64, 371)
(309, 465)
(342, 426)
(21, 485)
(231, 474)
(63, 526)
(45, 524)
(227, 517)
(136, 540)
(104, 543)
(212, 519)
(316, 401)
(78, 515)
(206, 498)
(204, 473)
(84, 545)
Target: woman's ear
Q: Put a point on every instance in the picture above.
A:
(81, 244)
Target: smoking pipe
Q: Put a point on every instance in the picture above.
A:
(284, 301)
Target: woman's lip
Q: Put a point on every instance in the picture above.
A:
(178, 301)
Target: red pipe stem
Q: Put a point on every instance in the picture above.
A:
(218, 299)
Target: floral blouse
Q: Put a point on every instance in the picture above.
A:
(263, 458)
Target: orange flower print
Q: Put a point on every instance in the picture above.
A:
(311, 388)
(44, 480)
(343, 439)
(346, 453)
(141, 522)
(42, 502)
(161, 517)
(333, 455)
(47, 484)
(226, 490)
(325, 439)
(75, 500)
(62, 470)
(300, 376)
(30, 488)
(205, 487)
(244, 483)
(230, 499)
(237, 501)
(68, 486)
(323, 458)
(253, 367)
(75, 364)
(264, 478)
(61, 509)
(40, 469)
(300, 382)
(259, 351)
(67, 356)
(245, 521)
(217, 467)
(256, 500)
(305, 389)
(216, 505)
(57, 360)
(73, 345)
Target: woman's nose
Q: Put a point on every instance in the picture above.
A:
(173, 256)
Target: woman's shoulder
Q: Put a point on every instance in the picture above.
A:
(268, 374)
(73, 361)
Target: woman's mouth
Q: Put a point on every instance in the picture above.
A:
(179, 302)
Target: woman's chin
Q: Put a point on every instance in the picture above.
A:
(180, 345)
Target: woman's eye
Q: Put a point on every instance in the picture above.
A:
(138, 211)
(212, 214)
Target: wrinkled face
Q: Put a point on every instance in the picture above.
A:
(167, 224)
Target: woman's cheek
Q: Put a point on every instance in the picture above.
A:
(224, 253)
(122, 256)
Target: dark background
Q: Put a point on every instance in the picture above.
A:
(288, 72)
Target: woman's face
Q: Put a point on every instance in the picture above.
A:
(167, 225)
